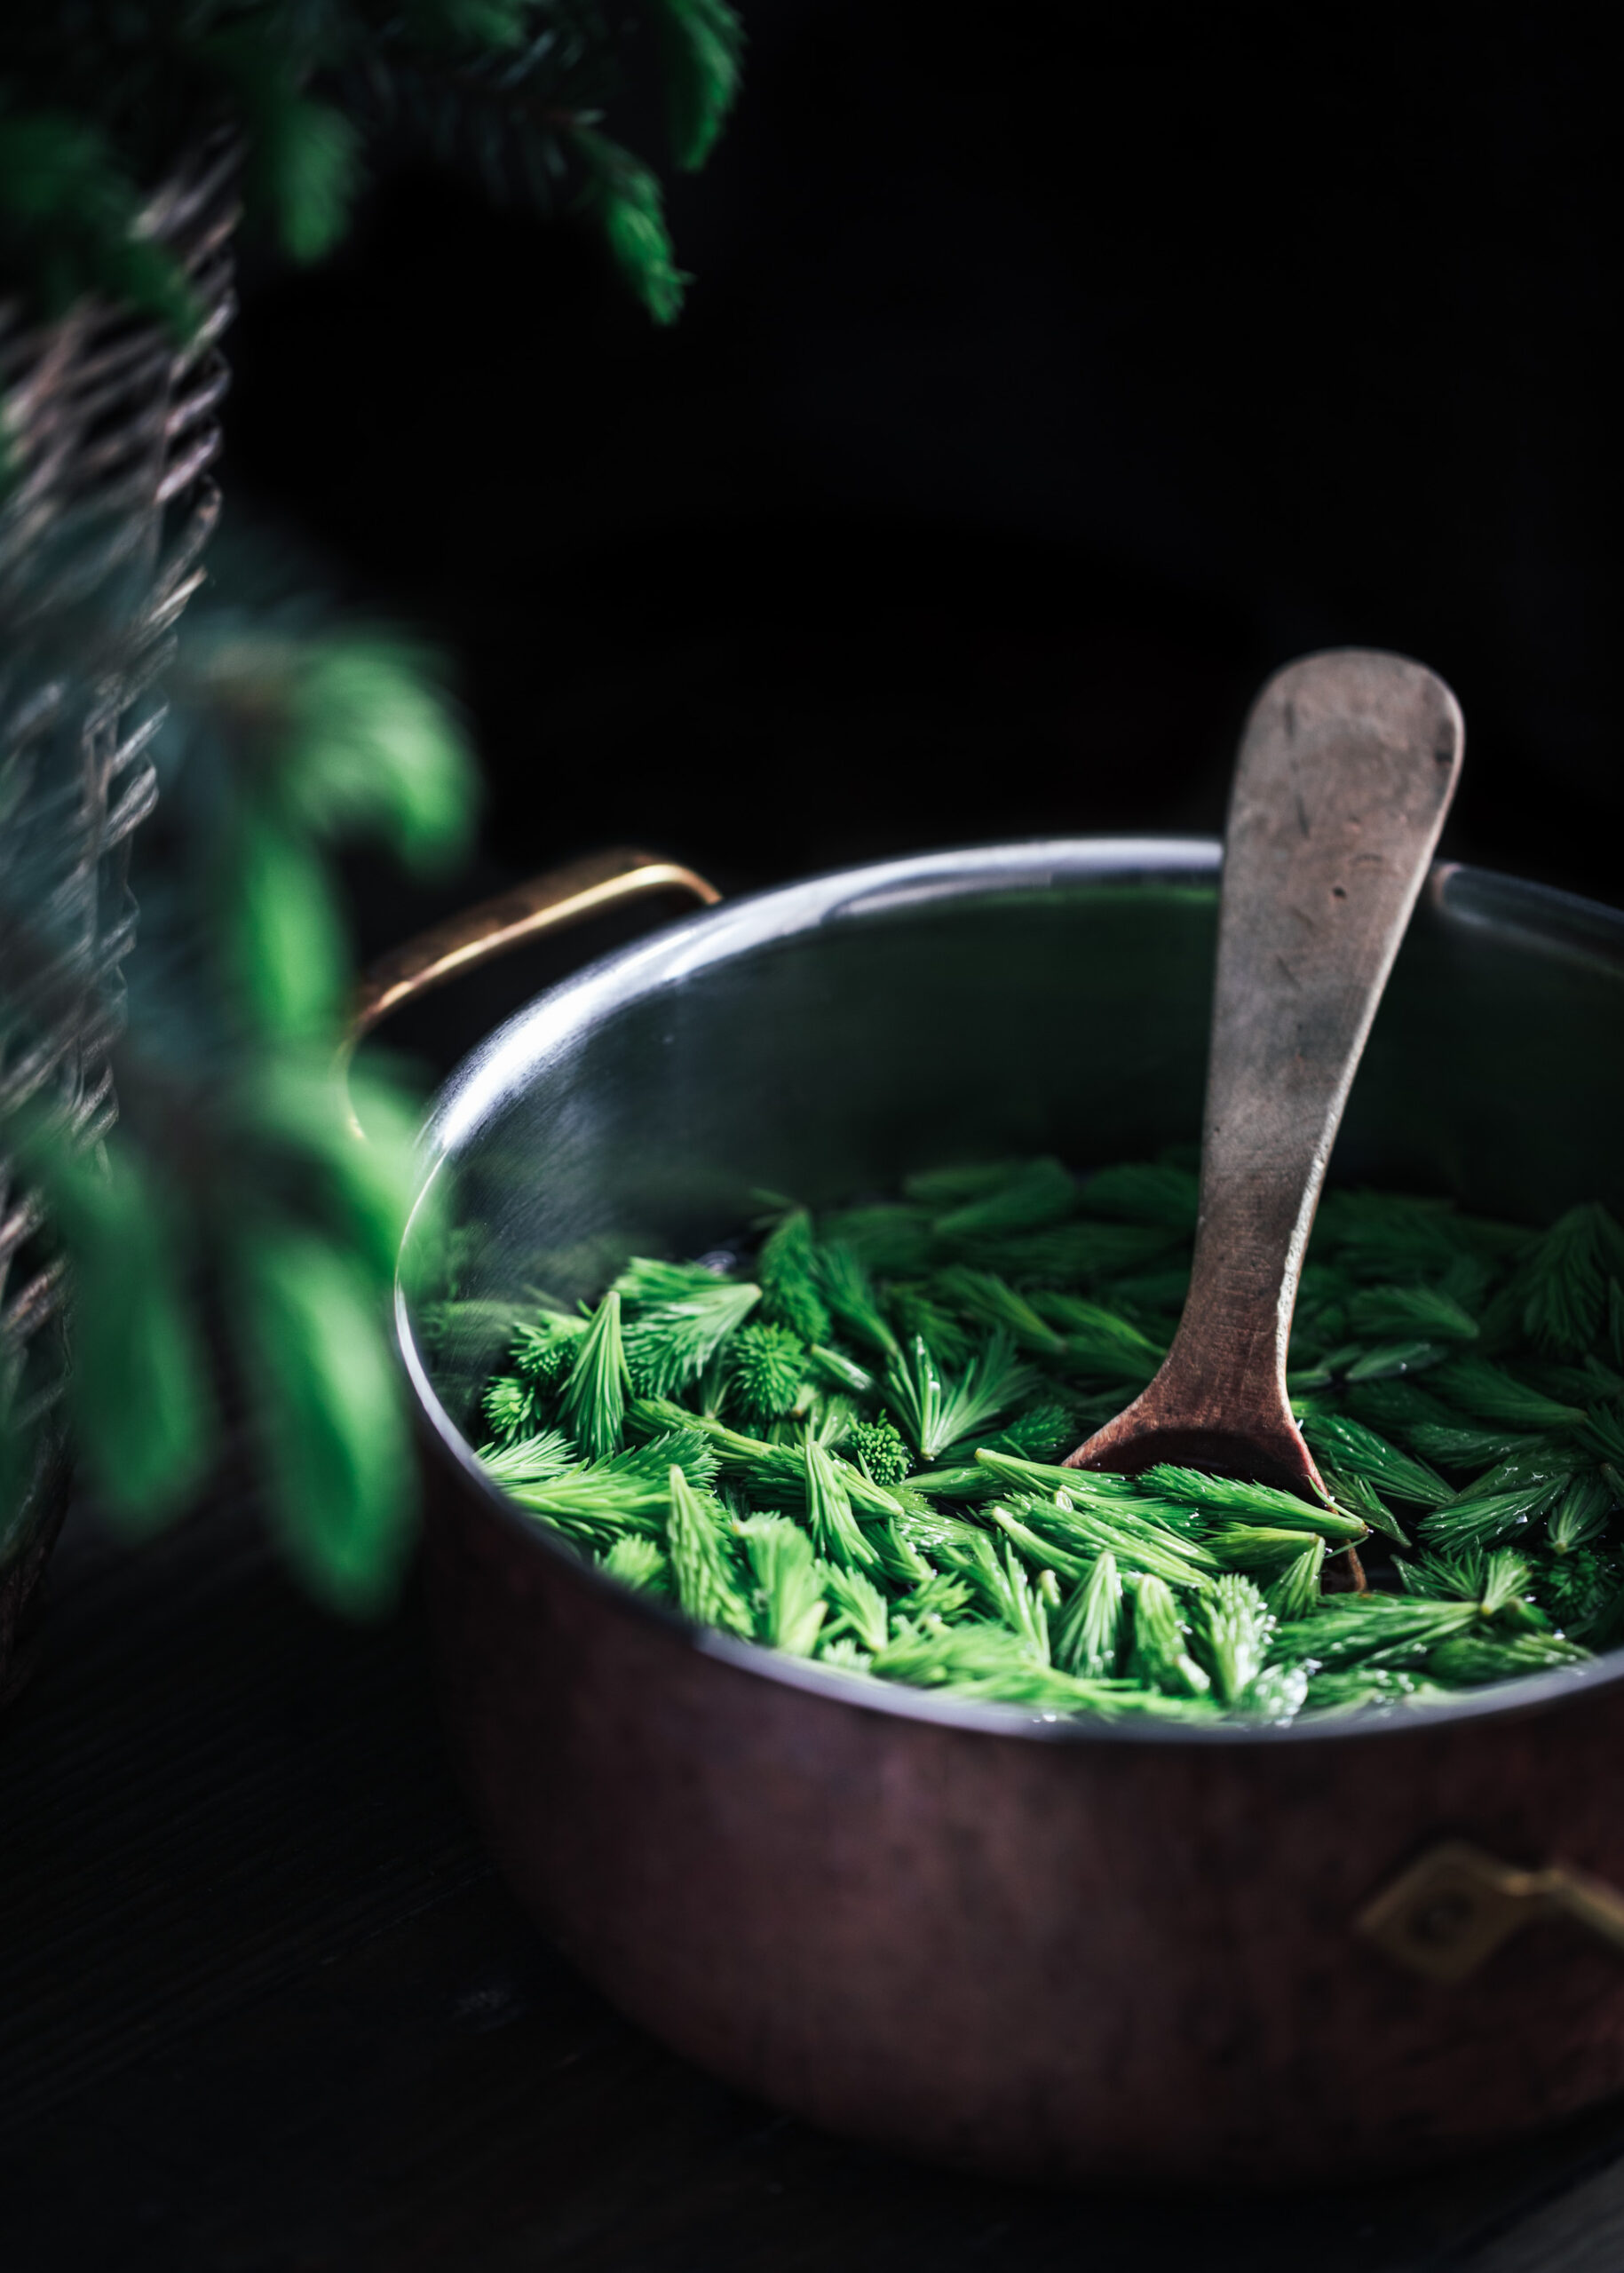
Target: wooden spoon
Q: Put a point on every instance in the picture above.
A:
(1346, 769)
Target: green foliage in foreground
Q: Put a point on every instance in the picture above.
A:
(882, 1398)
(97, 103)
(234, 1227)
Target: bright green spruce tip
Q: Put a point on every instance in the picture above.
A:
(850, 1452)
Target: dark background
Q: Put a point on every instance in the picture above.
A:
(1051, 373)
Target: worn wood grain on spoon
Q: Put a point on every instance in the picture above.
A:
(1345, 772)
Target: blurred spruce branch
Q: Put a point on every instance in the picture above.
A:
(230, 1242)
(234, 1241)
(98, 97)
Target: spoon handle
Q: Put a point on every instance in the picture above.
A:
(1346, 769)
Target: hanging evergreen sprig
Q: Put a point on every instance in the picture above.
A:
(95, 105)
(143, 1412)
(625, 197)
(69, 220)
(702, 42)
(236, 1188)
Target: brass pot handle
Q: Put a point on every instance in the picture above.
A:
(1451, 1910)
(553, 902)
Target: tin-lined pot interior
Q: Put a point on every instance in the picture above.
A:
(823, 1040)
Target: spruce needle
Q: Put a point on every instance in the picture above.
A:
(593, 1406)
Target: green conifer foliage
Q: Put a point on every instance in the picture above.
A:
(236, 1168)
(766, 1366)
(881, 1451)
(997, 1576)
(593, 1406)
(788, 1270)
(236, 1165)
(96, 105)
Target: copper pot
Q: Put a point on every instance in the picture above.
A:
(1036, 1947)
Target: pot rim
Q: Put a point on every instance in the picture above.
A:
(1562, 922)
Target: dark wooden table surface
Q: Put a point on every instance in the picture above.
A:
(265, 2008)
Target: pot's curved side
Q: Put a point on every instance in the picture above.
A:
(1083, 1957)
(1057, 1959)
